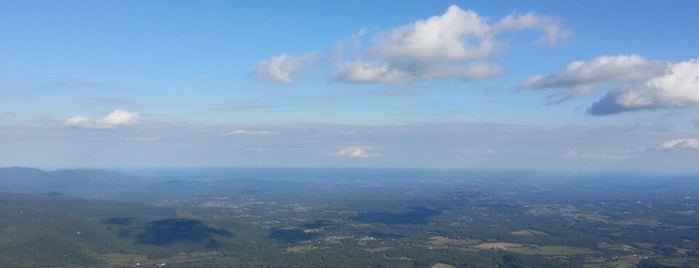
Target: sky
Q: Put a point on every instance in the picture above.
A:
(516, 85)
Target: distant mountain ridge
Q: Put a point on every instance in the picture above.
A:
(81, 183)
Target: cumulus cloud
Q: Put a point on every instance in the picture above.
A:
(677, 87)
(599, 70)
(640, 83)
(355, 152)
(280, 68)
(680, 144)
(439, 38)
(454, 44)
(583, 77)
(243, 132)
(116, 118)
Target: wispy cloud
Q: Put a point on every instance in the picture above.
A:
(243, 132)
(116, 118)
(281, 68)
(454, 44)
(355, 152)
(680, 144)
(553, 33)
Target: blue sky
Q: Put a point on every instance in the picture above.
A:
(537, 85)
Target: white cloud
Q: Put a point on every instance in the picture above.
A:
(116, 118)
(355, 152)
(599, 70)
(120, 117)
(242, 132)
(645, 84)
(678, 87)
(454, 44)
(383, 72)
(361, 72)
(680, 144)
(78, 121)
(553, 33)
(454, 36)
(280, 68)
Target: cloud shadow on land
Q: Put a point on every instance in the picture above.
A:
(170, 231)
(418, 215)
(290, 235)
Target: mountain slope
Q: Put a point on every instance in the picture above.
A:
(79, 183)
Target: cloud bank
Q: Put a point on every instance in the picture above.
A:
(454, 44)
(448, 145)
(116, 118)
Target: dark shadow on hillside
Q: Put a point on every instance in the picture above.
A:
(418, 215)
(169, 231)
(290, 235)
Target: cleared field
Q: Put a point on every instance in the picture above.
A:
(300, 249)
(123, 259)
(552, 250)
(443, 265)
(528, 232)
(498, 246)
(379, 249)
(535, 250)
(445, 241)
